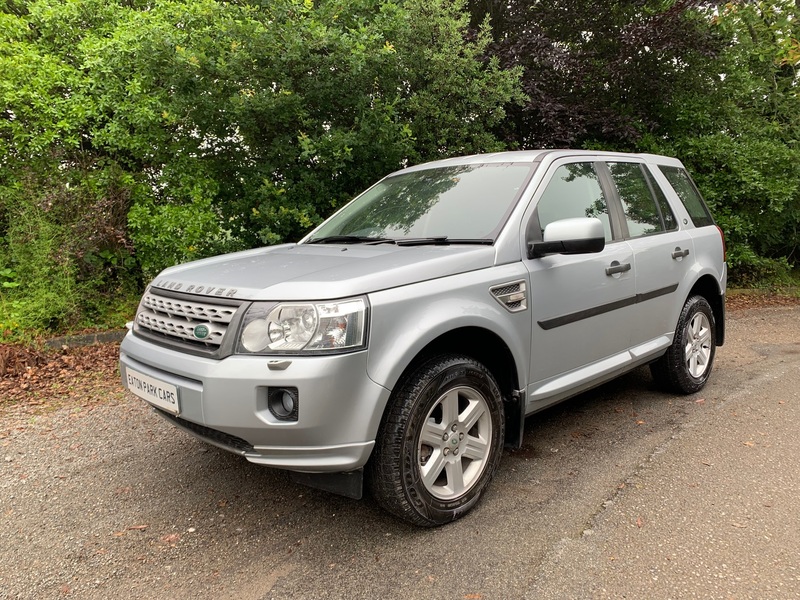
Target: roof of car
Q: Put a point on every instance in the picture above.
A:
(530, 156)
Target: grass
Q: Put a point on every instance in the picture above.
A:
(104, 316)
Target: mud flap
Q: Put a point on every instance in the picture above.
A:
(515, 419)
(349, 485)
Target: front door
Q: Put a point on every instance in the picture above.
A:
(582, 304)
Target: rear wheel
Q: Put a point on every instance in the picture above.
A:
(440, 442)
(686, 366)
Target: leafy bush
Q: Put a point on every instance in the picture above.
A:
(43, 293)
(154, 133)
(169, 234)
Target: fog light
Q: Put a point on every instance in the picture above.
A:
(283, 403)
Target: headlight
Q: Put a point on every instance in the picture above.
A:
(322, 327)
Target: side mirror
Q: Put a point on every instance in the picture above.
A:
(570, 236)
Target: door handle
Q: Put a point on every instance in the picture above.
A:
(680, 253)
(615, 267)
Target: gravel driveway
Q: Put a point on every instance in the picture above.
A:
(100, 498)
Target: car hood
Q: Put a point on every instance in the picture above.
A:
(320, 272)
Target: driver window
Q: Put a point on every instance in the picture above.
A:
(574, 191)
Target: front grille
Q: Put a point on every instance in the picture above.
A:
(185, 320)
(189, 310)
(219, 438)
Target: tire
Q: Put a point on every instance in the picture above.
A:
(440, 442)
(687, 364)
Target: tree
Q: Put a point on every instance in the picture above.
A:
(216, 126)
(739, 134)
(596, 71)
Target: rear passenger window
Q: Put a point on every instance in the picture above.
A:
(642, 213)
(574, 191)
(684, 186)
(670, 222)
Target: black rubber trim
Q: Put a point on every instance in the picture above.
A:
(218, 438)
(588, 313)
(656, 293)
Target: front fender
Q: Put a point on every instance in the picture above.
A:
(407, 319)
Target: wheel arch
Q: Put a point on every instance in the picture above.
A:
(708, 287)
(491, 350)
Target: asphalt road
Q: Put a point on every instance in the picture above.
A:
(624, 492)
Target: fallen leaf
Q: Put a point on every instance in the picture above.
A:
(750, 444)
(26, 373)
(472, 596)
(136, 528)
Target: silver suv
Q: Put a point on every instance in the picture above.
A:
(407, 338)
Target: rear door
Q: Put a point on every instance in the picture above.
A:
(663, 255)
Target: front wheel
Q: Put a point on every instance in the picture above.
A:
(686, 366)
(440, 442)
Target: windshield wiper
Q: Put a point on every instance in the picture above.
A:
(350, 239)
(442, 240)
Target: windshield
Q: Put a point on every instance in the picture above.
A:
(467, 202)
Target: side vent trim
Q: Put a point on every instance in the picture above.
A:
(512, 295)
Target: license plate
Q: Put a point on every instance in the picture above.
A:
(163, 395)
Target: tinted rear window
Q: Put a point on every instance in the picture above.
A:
(635, 192)
(684, 186)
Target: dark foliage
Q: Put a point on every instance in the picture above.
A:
(596, 71)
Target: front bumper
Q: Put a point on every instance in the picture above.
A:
(224, 402)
